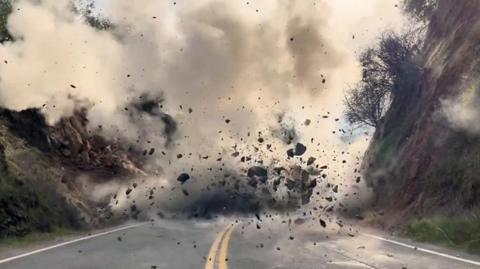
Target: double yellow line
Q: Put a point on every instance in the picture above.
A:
(219, 250)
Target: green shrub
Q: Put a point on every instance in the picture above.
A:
(29, 206)
(5, 10)
(462, 233)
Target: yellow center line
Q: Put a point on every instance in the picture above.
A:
(222, 259)
(213, 249)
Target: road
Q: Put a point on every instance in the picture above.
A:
(233, 244)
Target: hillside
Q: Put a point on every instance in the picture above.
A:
(424, 159)
(47, 174)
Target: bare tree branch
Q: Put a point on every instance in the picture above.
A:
(388, 71)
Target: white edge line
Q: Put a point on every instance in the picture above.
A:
(423, 250)
(69, 242)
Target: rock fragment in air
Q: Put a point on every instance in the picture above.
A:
(184, 177)
(258, 172)
(299, 150)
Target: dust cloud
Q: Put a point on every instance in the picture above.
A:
(229, 80)
(461, 112)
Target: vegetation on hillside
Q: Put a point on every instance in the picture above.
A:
(420, 10)
(461, 233)
(87, 10)
(27, 206)
(5, 10)
(30, 204)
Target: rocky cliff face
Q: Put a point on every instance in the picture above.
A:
(419, 161)
(70, 141)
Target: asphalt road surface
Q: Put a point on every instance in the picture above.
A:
(233, 244)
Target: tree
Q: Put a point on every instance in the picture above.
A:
(398, 54)
(86, 9)
(420, 10)
(367, 102)
(388, 72)
(5, 10)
